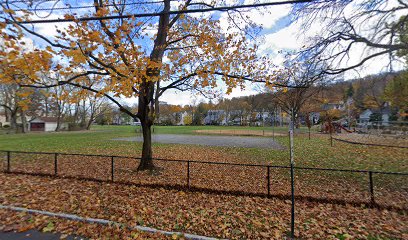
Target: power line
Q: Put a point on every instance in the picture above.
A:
(141, 15)
(28, 1)
(82, 7)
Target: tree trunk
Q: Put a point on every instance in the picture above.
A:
(58, 121)
(46, 107)
(91, 119)
(6, 111)
(13, 121)
(83, 115)
(146, 117)
(146, 112)
(146, 163)
(24, 122)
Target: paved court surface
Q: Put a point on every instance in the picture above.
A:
(207, 140)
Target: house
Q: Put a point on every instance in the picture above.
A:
(314, 117)
(215, 117)
(182, 116)
(334, 106)
(384, 112)
(364, 117)
(261, 118)
(45, 124)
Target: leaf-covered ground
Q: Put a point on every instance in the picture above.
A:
(214, 215)
(350, 187)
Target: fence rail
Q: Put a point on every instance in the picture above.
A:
(368, 144)
(260, 179)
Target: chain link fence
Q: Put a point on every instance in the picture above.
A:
(386, 189)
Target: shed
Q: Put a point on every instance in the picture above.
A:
(45, 124)
(2, 118)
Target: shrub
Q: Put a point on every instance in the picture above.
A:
(76, 127)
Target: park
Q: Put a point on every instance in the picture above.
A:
(219, 204)
(196, 119)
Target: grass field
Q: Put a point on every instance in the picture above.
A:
(316, 152)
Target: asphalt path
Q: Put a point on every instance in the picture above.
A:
(34, 235)
(209, 140)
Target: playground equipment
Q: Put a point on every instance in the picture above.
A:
(334, 127)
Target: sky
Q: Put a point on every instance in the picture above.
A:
(278, 33)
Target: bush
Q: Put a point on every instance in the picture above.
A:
(76, 127)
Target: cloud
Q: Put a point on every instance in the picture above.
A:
(29, 44)
(49, 30)
(266, 17)
(238, 92)
(180, 98)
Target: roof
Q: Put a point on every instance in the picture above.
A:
(46, 119)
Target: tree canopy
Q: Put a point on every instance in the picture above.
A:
(135, 57)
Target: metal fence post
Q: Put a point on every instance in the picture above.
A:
(292, 176)
(188, 174)
(269, 180)
(8, 161)
(56, 164)
(112, 168)
(370, 175)
(331, 139)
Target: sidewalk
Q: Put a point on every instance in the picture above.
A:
(35, 235)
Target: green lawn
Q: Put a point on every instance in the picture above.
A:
(315, 152)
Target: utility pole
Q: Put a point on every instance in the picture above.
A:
(273, 123)
(292, 174)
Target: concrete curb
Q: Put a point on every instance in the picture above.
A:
(105, 222)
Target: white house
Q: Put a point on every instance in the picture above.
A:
(215, 117)
(182, 115)
(45, 124)
(364, 118)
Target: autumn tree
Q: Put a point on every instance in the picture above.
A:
(169, 114)
(139, 57)
(396, 92)
(58, 94)
(95, 107)
(306, 78)
(105, 114)
(13, 99)
(226, 106)
(188, 120)
(253, 102)
(369, 28)
(200, 111)
(240, 110)
(9, 100)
